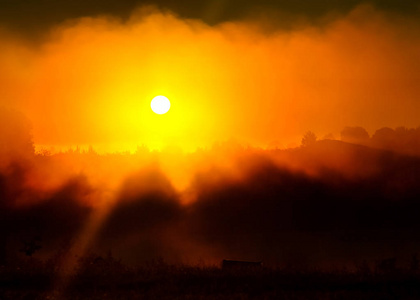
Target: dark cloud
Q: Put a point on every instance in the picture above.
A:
(40, 14)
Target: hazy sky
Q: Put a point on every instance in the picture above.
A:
(259, 73)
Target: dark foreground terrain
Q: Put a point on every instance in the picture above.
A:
(106, 278)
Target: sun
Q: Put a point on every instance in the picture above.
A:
(160, 105)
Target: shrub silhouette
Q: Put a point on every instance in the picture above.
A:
(309, 139)
(355, 135)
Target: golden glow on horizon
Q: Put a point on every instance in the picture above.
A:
(160, 105)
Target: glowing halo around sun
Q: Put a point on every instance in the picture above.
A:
(160, 105)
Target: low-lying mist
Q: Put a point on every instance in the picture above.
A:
(327, 202)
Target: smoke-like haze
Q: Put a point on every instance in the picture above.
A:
(91, 80)
(326, 203)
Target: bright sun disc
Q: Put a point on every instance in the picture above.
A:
(160, 105)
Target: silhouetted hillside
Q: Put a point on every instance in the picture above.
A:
(326, 203)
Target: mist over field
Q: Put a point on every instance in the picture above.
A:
(325, 203)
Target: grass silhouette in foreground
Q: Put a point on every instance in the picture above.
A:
(106, 278)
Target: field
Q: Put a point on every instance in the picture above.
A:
(106, 278)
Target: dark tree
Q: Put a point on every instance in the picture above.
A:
(384, 138)
(355, 135)
(309, 139)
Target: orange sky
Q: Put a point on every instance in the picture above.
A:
(90, 81)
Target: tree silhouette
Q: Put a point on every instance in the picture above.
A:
(309, 139)
(355, 135)
(384, 138)
(15, 134)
